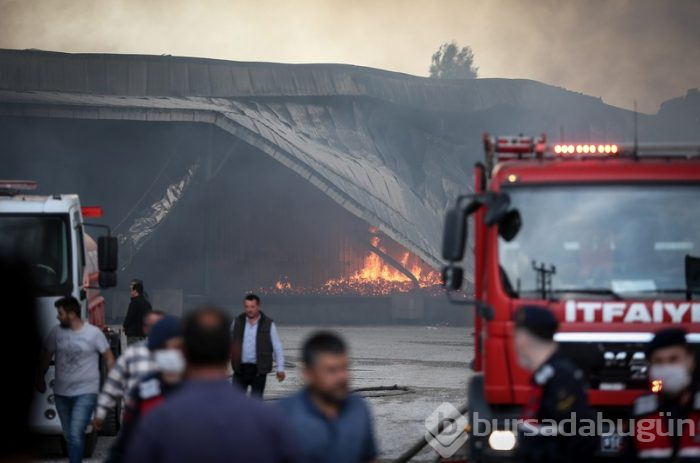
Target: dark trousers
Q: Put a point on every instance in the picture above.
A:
(249, 377)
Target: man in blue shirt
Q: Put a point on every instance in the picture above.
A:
(331, 424)
(255, 339)
(207, 420)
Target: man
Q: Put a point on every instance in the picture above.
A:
(667, 421)
(135, 363)
(255, 339)
(165, 342)
(331, 424)
(557, 394)
(76, 345)
(207, 419)
(135, 314)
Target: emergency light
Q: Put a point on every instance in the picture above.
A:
(91, 211)
(586, 149)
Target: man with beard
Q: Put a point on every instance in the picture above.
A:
(331, 424)
(77, 346)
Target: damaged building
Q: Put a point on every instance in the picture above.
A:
(315, 185)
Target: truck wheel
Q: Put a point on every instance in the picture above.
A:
(112, 423)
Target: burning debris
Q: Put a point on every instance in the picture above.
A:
(381, 274)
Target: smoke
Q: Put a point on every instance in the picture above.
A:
(622, 50)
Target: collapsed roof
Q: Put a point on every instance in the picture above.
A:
(391, 148)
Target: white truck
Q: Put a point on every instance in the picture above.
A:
(49, 233)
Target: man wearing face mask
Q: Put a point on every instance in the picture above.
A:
(668, 420)
(165, 342)
(557, 394)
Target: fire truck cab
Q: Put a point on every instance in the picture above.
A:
(606, 236)
(48, 232)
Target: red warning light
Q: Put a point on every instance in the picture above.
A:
(91, 211)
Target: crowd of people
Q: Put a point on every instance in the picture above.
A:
(182, 405)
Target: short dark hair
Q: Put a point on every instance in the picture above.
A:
(322, 342)
(137, 285)
(69, 304)
(252, 297)
(207, 337)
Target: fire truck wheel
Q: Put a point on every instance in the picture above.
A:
(112, 424)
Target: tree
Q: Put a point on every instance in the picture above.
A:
(449, 62)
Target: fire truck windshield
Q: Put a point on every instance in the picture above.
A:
(43, 241)
(607, 240)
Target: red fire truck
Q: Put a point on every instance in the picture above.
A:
(605, 236)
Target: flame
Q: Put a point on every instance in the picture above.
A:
(375, 278)
(282, 285)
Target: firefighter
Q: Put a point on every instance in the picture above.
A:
(666, 421)
(557, 395)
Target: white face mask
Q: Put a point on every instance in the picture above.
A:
(674, 377)
(169, 361)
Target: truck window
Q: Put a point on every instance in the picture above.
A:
(43, 241)
(629, 239)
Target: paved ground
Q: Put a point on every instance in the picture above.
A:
(431, 361)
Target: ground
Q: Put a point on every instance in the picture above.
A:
(431, 361)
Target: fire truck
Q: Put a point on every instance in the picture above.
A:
(607, 236)
(48, 232)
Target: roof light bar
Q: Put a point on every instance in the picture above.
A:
(582, 149)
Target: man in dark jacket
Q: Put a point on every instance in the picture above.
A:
(255, 339)
(135, 314)
(557, 395)
(666, 420)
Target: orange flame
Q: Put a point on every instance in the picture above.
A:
(375, 277)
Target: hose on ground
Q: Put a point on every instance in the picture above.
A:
(418, 446)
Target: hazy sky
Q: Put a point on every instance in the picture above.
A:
(621, 50)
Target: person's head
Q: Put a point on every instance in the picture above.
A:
(326, 365)
(151, 318)
(207, 340)
(251, 306)
(165, 341)
(136, 287)
(671, 361)
(533, 336)
(68, 309)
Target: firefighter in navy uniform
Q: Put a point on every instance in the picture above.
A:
(165, 342)
(557, 394)
(667, 422)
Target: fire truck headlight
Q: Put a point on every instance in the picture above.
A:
(502, 440)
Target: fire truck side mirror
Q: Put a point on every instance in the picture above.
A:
(107, 252)
(454, 235)
(509, 225)
(452, 277)
(108, 279)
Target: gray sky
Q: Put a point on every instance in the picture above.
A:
(621, 50)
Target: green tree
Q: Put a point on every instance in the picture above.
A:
(451, 62)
